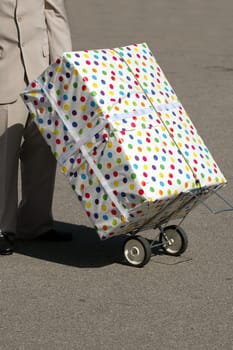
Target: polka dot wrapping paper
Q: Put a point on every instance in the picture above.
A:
(121, 137)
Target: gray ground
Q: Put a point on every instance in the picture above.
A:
(77, 295)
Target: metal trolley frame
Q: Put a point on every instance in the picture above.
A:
(172, 239)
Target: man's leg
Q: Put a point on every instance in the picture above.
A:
(38, 170)
(10, 141)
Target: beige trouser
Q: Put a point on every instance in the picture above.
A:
(33, 215)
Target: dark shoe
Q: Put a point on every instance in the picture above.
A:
(55, 236)
(6, 243)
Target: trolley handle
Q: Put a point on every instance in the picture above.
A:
(197, 193)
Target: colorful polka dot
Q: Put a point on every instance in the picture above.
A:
(122, 137)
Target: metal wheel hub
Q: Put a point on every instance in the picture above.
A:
(135, 254)
(137, 251)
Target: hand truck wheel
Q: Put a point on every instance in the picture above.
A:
(174, 240)
(137, 251)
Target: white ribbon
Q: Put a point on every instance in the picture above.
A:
(147, 110)
(80, 145)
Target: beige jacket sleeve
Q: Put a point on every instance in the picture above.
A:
(58, 28)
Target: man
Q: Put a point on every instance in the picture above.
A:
(33, 33)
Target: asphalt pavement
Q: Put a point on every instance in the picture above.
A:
(79, 295)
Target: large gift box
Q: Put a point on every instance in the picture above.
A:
(122, 138)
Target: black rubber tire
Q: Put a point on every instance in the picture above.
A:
(178, 236)
(137, 251)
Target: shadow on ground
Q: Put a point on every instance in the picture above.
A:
(85, 250)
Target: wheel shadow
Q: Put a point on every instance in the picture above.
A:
(85, 250)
